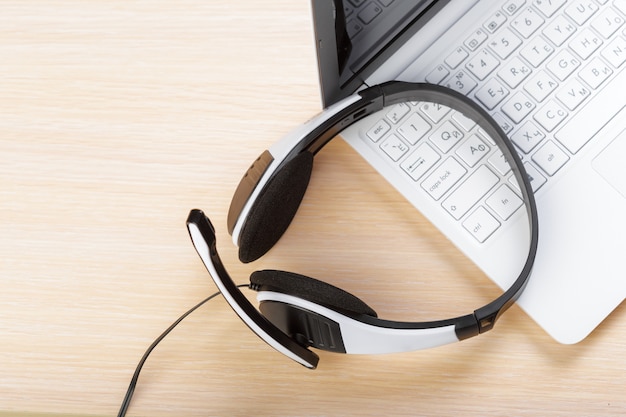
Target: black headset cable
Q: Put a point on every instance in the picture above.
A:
(135, 378)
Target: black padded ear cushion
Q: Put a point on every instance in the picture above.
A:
(274, 208)
(310, 289)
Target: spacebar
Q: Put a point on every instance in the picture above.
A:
(594, 116)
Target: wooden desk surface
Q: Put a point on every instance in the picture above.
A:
(116, 118)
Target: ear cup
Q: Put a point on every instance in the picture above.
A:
(274, 208)
(310, 289)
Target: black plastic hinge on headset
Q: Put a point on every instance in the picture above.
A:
(466, 327)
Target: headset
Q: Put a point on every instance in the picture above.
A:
(298, 312)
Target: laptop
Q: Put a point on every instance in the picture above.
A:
(552, 74)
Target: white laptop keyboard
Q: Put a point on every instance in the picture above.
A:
(533, 65)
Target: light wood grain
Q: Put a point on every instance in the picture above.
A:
(116, 118)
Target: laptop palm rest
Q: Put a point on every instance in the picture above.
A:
(610, 163)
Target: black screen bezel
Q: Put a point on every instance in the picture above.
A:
(333, 85)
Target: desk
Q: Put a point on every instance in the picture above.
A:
(116, 118)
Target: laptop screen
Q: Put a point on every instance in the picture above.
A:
(353, 37)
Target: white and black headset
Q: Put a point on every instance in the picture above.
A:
(298, 312)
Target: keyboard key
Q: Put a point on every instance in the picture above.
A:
(512, 6)
(620, 5)
(472, 150)
(581, 10)
(505, 43)
(563, 64)
(465, 122)
(514, 72)
(481, 224)
(446, 136)
(420, 161)
(607, 23)
(550, 115)
(535, 177)
(550, 158)
(528, 137)
(500, 163)
(435, 111)
(353, 27)
(595, 73)
(394, 147)
(443, 178)
(492, 93)
(540, 86)
(437, 75)
(573, 93)
(482, 64)
(414, 128)
(483, 135)
(559, 30)
(518, 107)
(615, 52)
(494, 22)
(548, 7)
(536, 51)
(504, 202)
(504, 124)
(585, 43)
(462, 83)
(397, 112)
(470, 192)
(456, 57)
(378, 130)
(369, 12)
(527, 22)
(475, 39)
